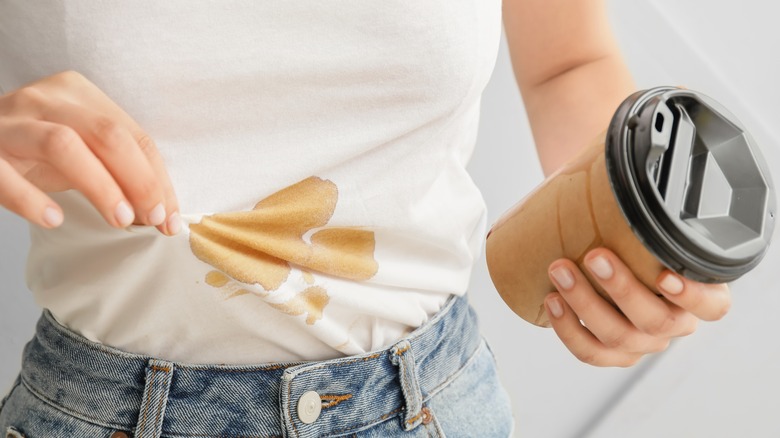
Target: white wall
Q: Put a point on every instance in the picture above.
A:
(723, 382)
(720, 382)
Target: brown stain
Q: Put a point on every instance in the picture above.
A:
(344, 252)
(262, 245)
(236, 293)
(311, 301)
(216, 279)
(237, 260)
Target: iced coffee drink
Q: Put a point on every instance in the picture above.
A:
(675, 182)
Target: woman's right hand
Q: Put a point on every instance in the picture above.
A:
(62, 132)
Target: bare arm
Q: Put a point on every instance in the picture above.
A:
(569, 70)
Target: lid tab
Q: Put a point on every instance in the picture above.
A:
(691, 182)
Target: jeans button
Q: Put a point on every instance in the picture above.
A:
(309, 407)
(119, 434)
(427, 416)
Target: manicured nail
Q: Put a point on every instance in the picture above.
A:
(157, 216)
(671, 284)
(52, 217)
(174, 223)
(124, 214)
(563, 277)
(601, 267)
(554, 304)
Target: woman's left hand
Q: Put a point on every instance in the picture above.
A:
(597, 333)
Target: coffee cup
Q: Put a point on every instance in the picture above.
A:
(674, 182)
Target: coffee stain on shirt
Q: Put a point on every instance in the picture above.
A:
(261, 246)
(216, 279)
(311, 301)
(222, 282)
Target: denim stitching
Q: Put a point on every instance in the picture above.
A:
(249, 370)
(289, 408)
(16, 383)
(415, 418)
(274, 367)
(409, 385)
(125, 355)
(223, 436)
(401, 351)
(84, 418)
(161, 399)
(350, 362)
(457, 373)
(380, 419)
(436, 427)
(73, 413)
(148, 402)
(334, 400)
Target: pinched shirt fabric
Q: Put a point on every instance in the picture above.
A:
(318, 152)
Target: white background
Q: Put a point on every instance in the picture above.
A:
(720, 382)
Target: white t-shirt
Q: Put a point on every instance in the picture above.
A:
(318, 152)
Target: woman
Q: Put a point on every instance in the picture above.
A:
(322, 223)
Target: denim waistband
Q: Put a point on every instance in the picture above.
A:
(151, 397)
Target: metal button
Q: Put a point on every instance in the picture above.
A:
(119, 434)
(309, 407)
(427, 416)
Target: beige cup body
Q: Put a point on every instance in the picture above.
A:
(570, 213)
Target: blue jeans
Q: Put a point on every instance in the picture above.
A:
(439, 381)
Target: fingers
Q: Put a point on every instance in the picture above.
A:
(94, 97)
(21, 197)
(126, 152)
(172, 223)
(607, 324)
(579, 340)
(63, 149)
(646, 311)
(638, 321)
(709, 302)
(113, 145)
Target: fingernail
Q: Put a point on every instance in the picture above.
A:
(174, 223)
(124, 214)
(671, 284)
(563, 277)
(52, 217)
(601, 267)
(554, 304)
(157, 216)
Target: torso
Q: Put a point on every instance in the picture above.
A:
(318, 151)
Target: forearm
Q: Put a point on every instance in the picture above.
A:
(569, 70)
(570, 110)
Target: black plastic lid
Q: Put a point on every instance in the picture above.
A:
(691, 182)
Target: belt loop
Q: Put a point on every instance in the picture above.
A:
(155, 398)
(403, 358)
